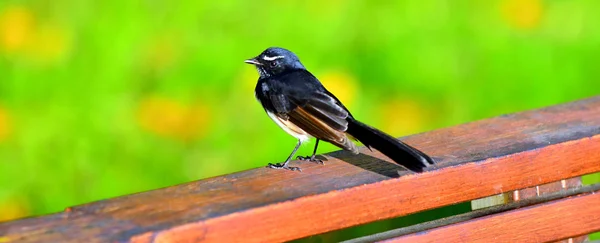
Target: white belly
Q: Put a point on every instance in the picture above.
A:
(290, 128)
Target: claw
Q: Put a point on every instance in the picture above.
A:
(284, 167)
(311, 159)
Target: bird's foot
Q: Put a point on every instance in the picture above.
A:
(284, 166)
(311, 159)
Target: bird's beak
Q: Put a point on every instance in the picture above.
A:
(253, 61)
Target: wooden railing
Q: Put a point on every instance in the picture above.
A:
(530, 161)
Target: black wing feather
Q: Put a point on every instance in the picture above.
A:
(325, 108)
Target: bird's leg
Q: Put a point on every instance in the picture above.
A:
(312, 158)
(285, 164)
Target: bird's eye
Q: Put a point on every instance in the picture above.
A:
(274, 64)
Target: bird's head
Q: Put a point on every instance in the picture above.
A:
(274, 61)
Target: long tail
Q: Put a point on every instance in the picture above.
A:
(401, 153)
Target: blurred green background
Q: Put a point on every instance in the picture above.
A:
(105, 98)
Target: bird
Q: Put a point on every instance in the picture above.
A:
(299, 103)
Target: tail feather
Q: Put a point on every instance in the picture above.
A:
(401, 153)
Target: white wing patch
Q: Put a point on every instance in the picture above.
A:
(290, 128)
(268, 58)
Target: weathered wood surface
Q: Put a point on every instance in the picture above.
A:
(532, 192)
(540, 223)
(541, 190)
(423, 229)
(495, 155)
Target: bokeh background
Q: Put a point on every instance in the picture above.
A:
(105, 98)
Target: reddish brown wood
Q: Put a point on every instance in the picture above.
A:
(544, 189)
(540, 223)
(495, 155)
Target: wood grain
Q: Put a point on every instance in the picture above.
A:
(540, 223)
(541, 190)
(477, 214)
(475, 160)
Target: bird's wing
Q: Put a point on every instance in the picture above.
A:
(326, 109)
(321, 116)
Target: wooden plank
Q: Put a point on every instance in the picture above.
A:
(495, 155)
(541, 190)
(532, 192)
(540, 223)
(429, 225)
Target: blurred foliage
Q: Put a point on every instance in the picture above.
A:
(104, 98)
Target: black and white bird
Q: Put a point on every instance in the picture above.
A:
(300, 105)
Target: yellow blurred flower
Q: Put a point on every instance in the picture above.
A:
(51, 44)
(13, 209)
(522, 14)
(173, 119)
(20, 34)
(5, 126)
(16, 28)
(402, 116)
(341, 84)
